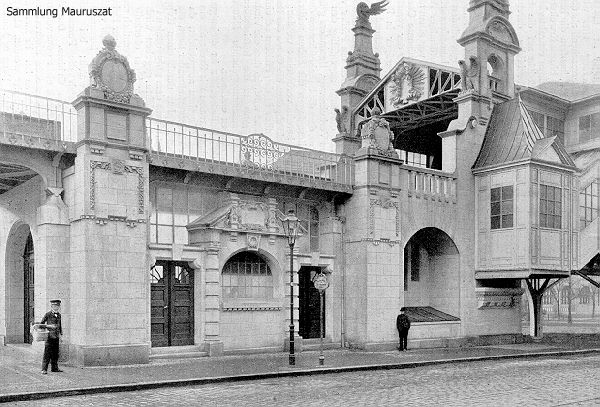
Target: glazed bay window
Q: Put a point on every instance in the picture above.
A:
(501, 207)
(588, 205)
(589, 127)
(550, 207)
(246, 275)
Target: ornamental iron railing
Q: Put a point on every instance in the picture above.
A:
(254, 152)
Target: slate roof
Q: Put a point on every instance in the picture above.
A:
(512, 135)
(569, 90)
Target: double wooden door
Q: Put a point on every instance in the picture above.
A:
(172, 304)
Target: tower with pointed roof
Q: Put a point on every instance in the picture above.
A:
(491, 44)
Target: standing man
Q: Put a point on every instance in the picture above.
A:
(53, 323)
(403, 325)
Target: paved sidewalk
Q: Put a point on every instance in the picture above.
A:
(20, 377)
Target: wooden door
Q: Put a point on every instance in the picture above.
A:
(29, 291)
(172, 304)
(309, 307)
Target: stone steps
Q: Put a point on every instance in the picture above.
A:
(177, 352)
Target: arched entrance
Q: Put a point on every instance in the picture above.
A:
(19, 283)
(431, 271)
(28, 289)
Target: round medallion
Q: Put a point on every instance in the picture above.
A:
(114, 75)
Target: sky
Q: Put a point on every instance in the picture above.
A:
(272, 66)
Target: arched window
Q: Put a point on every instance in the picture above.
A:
(247, 275)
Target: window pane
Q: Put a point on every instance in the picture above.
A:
(557, 222)
(507, 192)
(164, 198)
(181, 235)
(495, 222)
(180, 200)
(543, 207)
(507, 206)
(495, 208)
(543, 221)
(180, 219)
(153, 233)
(165, 234)
(550, 193)
(543, 191)
(507, 221)
(495, 194)
(165, 218)
(595, 125)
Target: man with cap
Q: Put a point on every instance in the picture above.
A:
(403, 325)
(53, 323)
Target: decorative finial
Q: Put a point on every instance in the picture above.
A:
(364, 12)
(109, 42)
(376, 112)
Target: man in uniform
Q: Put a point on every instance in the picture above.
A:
(403, 325)
(53, 323)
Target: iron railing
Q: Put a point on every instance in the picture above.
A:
(253, 152)
(22, 114)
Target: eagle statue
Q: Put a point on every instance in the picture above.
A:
(364, 11)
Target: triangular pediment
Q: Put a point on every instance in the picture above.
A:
(212, 219)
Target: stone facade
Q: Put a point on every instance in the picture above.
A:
(151, 244)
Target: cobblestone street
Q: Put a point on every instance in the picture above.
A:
(533, 382)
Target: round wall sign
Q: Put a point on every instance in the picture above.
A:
(321, 282)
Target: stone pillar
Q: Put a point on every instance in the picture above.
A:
(110, 279)
(373, 242)
(52, 251)
(212, 310)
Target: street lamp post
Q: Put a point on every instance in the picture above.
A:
(290, 227)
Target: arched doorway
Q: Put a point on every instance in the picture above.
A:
(28, 289)
(431, 271)
(19, 283)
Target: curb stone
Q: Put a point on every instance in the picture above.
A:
(6, 398)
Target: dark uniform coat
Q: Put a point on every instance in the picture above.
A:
(53, 318)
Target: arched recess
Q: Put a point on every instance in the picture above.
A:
(432, 271)
(14, 284)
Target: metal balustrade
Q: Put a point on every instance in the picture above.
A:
(28, 119)
(255, 152)
(431, 184)
(22, 114)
